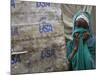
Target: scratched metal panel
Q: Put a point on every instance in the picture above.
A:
(30, 12)
(35, 31)
(47, 56)
(39, 31)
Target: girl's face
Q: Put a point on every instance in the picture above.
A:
(81, 23)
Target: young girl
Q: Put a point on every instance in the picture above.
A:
(81, 50)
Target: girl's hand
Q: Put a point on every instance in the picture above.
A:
(76, 41)
(85, 35)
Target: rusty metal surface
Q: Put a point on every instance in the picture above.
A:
(39, 31)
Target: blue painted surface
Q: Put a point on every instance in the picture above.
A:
(14, 61)
(13, 3)
(42, 4)
(14, 30)
(47, 53)
(45, 27)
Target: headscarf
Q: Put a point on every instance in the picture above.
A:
(84, 58)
